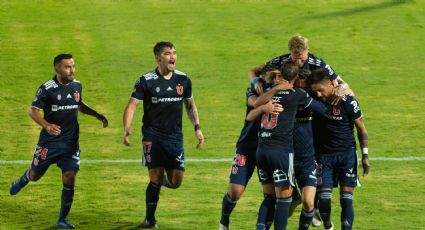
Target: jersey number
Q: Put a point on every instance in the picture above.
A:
(269, 121)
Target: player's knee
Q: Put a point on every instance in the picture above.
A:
(35, 176)
(68, 177)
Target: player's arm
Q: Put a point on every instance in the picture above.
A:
(128, 118)
(36, 116)
(267, 96)
(363, 140)
(254, 78)
(84, 108)
(270, 107)
(192, 113)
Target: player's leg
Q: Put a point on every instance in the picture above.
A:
(241, 171)
(69, 162)
(283, 171)
(39, 165)
(174, 178)
(348, 180)
(267, 207)
(325, 183)
(307, 212)
(317, 221)
(307, 179)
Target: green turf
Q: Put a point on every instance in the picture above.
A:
(376, 46)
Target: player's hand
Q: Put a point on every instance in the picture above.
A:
(259, 87)
(282, 85)
(272, 108)
(338, 92)
(53, 130)
(365, 164)
(103, 119)
(126, 140)
(200, 137)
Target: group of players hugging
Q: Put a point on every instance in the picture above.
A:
(299, 133)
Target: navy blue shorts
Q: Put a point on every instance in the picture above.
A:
(275, 165)
(337, 169)
(243, 165)
(305, 172)
(160, 152)
(68, 159)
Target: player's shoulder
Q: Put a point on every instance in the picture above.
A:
(314, 60)
(151, 75)
(49, 85)
(348, 99)
(281, 59)
(180, 73)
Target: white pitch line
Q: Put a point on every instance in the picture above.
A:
(203, 160)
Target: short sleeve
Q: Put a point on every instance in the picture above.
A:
(40, 98)
(305, 99)
(188, 90)
(250, 92)
(139, 89)
(353, 108)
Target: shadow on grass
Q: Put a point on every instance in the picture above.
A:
(359, 10)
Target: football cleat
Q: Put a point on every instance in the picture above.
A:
(330, 228)
(316, 222)
(15, 187)
(64, 224)
(223, 227)
(148, 225)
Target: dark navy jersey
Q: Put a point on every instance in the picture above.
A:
(312, 63)
(303, 135)
(278, 129)
(60, 106)
(163, 102)
(249, 133)
(334, 130)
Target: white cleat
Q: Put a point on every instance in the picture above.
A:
(316, 222)
(331, 228)
(222, 227)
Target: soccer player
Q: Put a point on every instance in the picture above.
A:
(163, 92)
(60, 98)
(244, 161)
(300, 55)
(336, 149)
(275, 146)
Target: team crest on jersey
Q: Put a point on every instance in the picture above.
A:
(77, 96)
(336, 111)
(179, 89)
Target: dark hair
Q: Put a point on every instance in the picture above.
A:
(58, 59)
(289, 71)
(157, 49)
(304, 74)
(318, 75)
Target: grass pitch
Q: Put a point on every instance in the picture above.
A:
(376, 46)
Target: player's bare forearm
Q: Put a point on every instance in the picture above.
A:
(265, 97)
(84, 108)
(36, 116)
(255, 72)
(192, 111)
(128, 118)
(361, 133)
(270, 107)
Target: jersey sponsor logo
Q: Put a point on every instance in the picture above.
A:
(63, 107)
(165, 99)
(77, 96)
(50, 84)
(179, 90)
(332, 117)
(265, 134)
(336, 111)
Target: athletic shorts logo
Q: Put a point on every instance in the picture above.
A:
(77, 96)
(234, 170)
(179, 90)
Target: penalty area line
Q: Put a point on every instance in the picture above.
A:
(201, 160)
